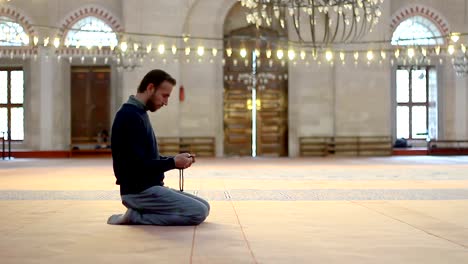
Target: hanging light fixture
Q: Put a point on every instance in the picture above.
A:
(328, 21)
(459, 60)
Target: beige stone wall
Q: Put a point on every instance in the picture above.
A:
(323, 100)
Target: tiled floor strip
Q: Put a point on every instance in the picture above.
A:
(256, 195)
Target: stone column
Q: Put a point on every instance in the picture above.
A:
(461, 110)
(49, 100)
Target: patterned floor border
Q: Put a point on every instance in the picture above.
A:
(255, 195)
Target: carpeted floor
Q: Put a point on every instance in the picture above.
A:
(264, 210)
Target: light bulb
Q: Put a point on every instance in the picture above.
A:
(243, 52)
(291, 54)
(279, 54)
(314, 54)
(123, 46)
(329, 55)
(410, 53)
(56, 42)
(356, 55)
(455, 37)
(200, 51)
(342, 56)
(383, 55)
(26, 39)
(257, 52)
(161, 49)
(451, 49)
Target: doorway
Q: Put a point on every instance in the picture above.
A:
(416, 103)
(90, 104)
(253, 77)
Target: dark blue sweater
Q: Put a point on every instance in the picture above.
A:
(136, 160)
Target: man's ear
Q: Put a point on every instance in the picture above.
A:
(150, 88)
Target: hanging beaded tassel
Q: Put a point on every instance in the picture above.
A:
(181, 180)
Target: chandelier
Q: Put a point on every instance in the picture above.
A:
(317, 22)
(259, 80)
(460, 65)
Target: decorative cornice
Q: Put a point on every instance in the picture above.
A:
(19, 17)
(86, 11)
(420, 10)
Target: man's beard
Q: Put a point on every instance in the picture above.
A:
(151, 106)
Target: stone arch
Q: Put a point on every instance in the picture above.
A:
(86, 11)
(19, 17)
(196, 11)
(420, 10)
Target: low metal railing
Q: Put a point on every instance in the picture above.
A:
(8, 138)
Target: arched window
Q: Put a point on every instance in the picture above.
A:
(417, 30)
(416, 86)
(12, 33)
(91, 31)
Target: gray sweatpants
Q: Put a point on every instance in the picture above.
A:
(161, 205)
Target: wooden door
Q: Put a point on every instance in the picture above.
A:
(272, 132)
(90, 102)
(272, 98)
(237, 116)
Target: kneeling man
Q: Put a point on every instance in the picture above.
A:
(139, 168)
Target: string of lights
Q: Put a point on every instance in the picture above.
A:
(133, 48)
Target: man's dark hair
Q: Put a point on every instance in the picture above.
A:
(156, 77)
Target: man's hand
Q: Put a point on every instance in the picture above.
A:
(184, 160)
(193, 157)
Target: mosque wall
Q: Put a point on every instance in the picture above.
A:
(324, 100)
(453, 116)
